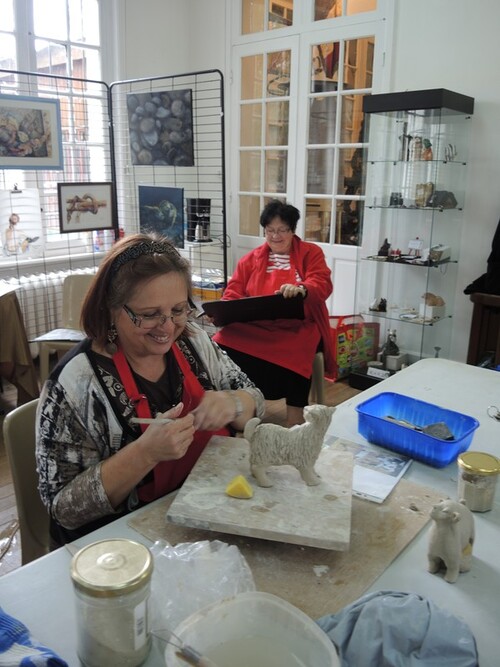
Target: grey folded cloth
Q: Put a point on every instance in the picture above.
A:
(397, 629)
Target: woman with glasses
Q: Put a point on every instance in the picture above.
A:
(278, 355)
(144, 360)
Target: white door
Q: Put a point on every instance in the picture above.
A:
(297, 135)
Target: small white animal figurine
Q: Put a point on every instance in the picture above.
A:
(299, 446)
(451, 539)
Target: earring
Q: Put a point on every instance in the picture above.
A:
(111, 347)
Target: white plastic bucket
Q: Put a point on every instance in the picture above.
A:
(258, 617)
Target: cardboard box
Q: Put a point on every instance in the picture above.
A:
(207, 293)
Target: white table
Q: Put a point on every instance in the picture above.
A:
(40, 594)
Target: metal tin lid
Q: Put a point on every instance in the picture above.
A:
(479, 463)
(109, 568)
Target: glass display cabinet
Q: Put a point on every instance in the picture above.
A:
(407, 262)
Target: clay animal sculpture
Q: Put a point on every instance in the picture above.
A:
(299, 446)
(432, 299)
(451, 539)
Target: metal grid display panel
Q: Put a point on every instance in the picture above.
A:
(204, 179)
(87, 158)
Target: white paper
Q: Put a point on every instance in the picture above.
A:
(376, 470)
(60, 334)
(22, 235)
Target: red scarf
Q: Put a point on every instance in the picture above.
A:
(167, 475)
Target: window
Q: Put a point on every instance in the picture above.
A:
(60, 42)
(259, 15)
(264, 123)
(328, 9)
(329, 99)
(297, 123)
(341, 73)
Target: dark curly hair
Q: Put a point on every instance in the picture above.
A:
(278, 209)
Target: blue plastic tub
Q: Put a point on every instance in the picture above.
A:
(373, 425)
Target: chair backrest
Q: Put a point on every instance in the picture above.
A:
(19, 436)
(75, 288)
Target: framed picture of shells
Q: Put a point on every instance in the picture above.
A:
(161, 210)
(30, 133)
(161, 128)
(85, 207)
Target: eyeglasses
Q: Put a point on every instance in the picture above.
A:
(277, 232)
(178, 316)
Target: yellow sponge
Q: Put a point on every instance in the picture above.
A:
(239, 488)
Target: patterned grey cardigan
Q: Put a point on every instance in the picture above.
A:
(78, 428)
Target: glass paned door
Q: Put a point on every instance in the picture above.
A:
(261, 15)
(331, 9)
(340, 75)
(264, 133)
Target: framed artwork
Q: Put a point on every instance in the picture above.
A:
(30, 133)
(21, 224)
(161, 128)
(84, 207)
(161, 210)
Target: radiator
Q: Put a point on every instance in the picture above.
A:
(40, 298)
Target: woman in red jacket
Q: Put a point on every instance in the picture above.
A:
(278, 354)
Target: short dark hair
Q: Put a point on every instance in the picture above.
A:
(131, 260)
(278, 209)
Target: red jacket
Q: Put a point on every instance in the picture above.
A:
(285, 342)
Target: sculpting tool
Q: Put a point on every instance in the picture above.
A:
(437, 430)
(147, 420)
(185, 652)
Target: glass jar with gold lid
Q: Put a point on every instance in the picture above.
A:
(112, 582)
(477, 478)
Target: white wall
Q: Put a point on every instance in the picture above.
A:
(454, 44)
(164, 37)
(437, 44)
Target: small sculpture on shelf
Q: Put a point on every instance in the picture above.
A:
(390, 348)
(432, 307)
(415, 149)
(384, 249)
(432, 299)
(426, 150)
(378, 306)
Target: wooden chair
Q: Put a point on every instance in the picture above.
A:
(19, 437)
(75, 287)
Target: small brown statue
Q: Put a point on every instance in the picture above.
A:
(451, 539)
(299, 446)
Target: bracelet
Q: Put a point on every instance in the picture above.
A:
(237, 402)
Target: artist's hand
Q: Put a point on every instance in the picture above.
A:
(288, 290)
(216, 409)
(168, 442)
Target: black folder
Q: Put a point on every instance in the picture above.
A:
(253, 308)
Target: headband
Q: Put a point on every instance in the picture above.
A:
(141, 249)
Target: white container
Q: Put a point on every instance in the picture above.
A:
(431, 312)
(477, 480)
(394, 362)
(112, 581)
(254, 629)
